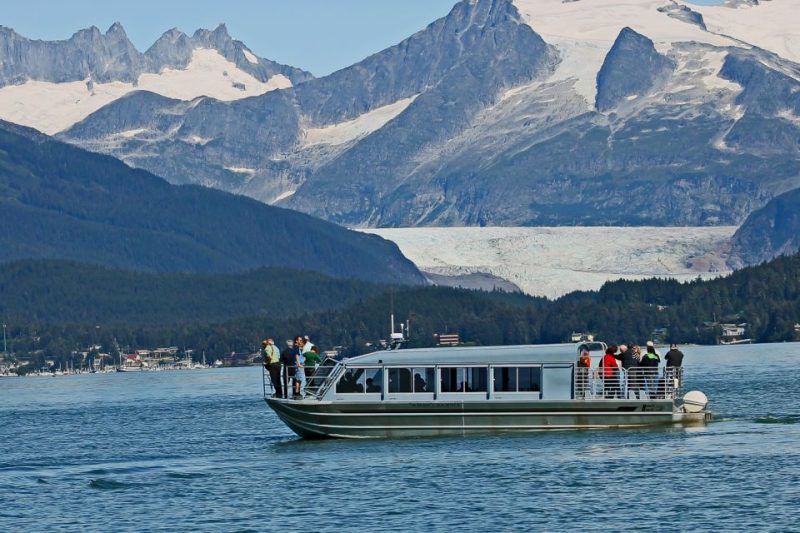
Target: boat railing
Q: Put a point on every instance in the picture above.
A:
(633, 383)
(318, 379)
(643, 383)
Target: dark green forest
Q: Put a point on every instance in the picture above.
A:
(59, 291)
(343, 313)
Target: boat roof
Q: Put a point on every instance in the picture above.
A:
(479, 355)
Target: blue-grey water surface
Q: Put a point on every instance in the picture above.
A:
(200, 451)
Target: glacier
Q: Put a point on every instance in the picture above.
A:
(553, 261)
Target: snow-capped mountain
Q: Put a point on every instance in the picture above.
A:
(507, 112)
(51, 85)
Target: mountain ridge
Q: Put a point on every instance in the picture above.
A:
(59, 201)
(111, 56)
(51, 85)
(501, 125)
(506, 113)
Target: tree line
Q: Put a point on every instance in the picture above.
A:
(766, 297)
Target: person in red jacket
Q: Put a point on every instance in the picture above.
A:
(610, 372)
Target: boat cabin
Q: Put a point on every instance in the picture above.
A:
(526, 372)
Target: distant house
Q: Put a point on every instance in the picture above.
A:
(733, 333)
(732, 330)
(659, 335)
(581, 337)
(447, 339)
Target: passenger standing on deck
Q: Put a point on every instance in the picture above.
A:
(672, 371)
(610, 372)
(674, 357)
(627, 361)
(307, 344)
(287, 358)
(312, 360)
(650, 362)
(272, 362)
(300, 368)
(584, 363)
(635, 381)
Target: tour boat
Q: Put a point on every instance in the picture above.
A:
(473, 390)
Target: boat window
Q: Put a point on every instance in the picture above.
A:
(520, 379)
(505, 379)
(399, 379)
(374, 381)
(530, 379)
(469, 379)
(352, 381)
(424, 380)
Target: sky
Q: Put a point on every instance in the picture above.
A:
(320, 36)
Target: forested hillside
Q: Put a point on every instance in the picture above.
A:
(57, 291)
(766, 297)
(58, 201)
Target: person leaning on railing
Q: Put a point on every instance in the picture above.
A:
(650, 362)
(610, 372)
(312, 360)
(300, 370)
(672, 369)
(272, 362)
(635, 380)
(287, 360)
(627, 361)
(584, 363)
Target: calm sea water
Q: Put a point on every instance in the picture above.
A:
(200, 451)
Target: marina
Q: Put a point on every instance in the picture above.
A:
(473, 390)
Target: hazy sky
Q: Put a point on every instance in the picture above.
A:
(317, 35)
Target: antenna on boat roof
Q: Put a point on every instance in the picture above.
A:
(396, 339)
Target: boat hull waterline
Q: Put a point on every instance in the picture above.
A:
(321, 419)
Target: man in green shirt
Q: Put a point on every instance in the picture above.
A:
(312, 360)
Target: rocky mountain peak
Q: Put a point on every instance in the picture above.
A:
(631, 69)
(116, 29)
(169, 37)
(218, 38)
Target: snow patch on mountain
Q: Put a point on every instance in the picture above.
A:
(360, 126)
(584, 34)
(282, 196)
(241, 170)
(209, 74)
(250, 56)
(54, 107)
(129, 134)
(763, 25)
(196, 139)
(553, 261)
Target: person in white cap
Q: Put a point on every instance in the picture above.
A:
(627, 361)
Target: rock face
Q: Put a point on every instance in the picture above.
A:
(770, 231)
(112, 57)
(59, 201)
(523, 112)
(88, 53)
(632, 68)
